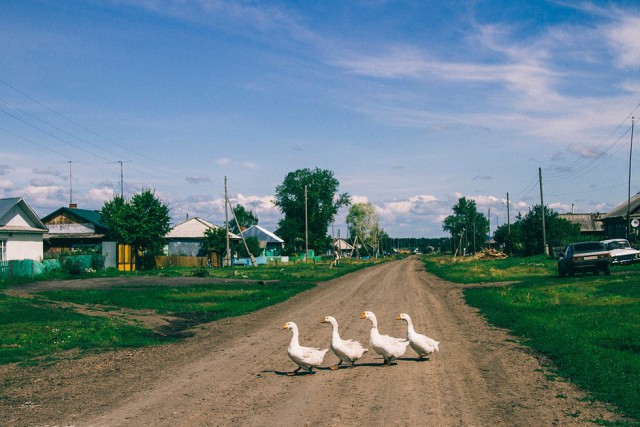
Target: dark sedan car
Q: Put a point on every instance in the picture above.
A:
(584, 256)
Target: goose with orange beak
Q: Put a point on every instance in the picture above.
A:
(389, 348)
(305, 357)
(348, 351)
(421, 344)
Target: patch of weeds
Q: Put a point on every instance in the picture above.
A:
(561, 396)
(575, 414)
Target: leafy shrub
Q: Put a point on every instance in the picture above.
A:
(72, 266)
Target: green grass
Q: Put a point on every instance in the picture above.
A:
(37, 329)
(32, 330)
(196, 303)
(468, 270)
(589, 326)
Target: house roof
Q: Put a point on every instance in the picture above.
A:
(85, 215)
(194, 228)
(32, 222)
(261, 234)
(620, 211)
(342, 245)
(588, 222)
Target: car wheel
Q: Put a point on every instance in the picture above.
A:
(607, 270)
(561, 272)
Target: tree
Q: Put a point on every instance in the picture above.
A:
(467, 226)
(150, 223)
(215, 241)
(252, 243)
(114, 214)
(559, 231)
(245, 218)
(323, 202)
(141, 222)
(363, 223)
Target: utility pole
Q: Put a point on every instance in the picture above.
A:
(508, 227)
(235, 218)
(544, 231)
(121, 180)
(227, 257)
(629, 187)
(489, 228)
(70, 186)
(306, 227)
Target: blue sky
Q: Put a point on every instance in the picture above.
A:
(411, 104)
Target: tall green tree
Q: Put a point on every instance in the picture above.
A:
(245, 218)
(323, 202)
(141, 222)
(559, 231)
(215, 241)
(114, 214)
(467, 226)
(363, 223)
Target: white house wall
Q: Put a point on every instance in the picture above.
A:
(23, 246)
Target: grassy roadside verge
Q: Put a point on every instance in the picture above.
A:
(589, 326)
(39, 329)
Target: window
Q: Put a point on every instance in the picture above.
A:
(3, 249)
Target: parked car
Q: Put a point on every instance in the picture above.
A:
(621, 251)
(584, 256)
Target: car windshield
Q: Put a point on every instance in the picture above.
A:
(618, 244)
(589, 247)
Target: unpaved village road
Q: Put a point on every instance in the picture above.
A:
(232, 372)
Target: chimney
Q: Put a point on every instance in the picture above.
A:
(73, 206)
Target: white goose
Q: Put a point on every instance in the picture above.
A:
(305, 357)
(348, 351)
(421, 344)
(389, 348)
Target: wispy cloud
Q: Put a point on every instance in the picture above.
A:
(198, 179)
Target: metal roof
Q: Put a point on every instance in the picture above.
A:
(194, 228)
(261, 234)
(86, 215)
(7, 204)
(589, 223)
(620, 211)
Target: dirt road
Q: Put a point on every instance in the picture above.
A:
(232, 372)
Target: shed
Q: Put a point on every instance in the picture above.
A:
(186, 238)
(589, 223)
(270, 244)
(21, 231)
(72, 228)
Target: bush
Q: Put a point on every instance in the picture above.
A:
(97, 262)
(72, 266)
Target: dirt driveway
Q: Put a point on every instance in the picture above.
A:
(232, 372)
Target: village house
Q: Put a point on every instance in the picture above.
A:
(187, 238)
(21, 231)
(270, 244)
(615, 222)
(72, 229)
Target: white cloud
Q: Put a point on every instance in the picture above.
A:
(623, 36)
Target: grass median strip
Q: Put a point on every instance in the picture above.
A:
(589, 326)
